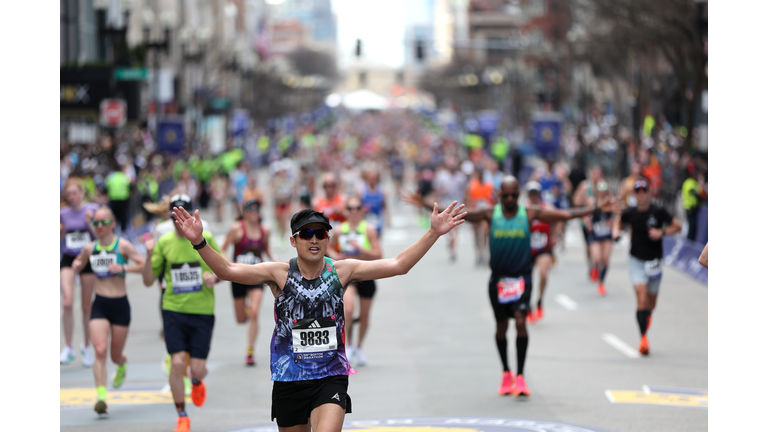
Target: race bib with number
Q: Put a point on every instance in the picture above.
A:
(314, 340)
(77, 240)
(601, 229)
(538, 240)
(510, 289)
(653, 269)
(100, 262)
(248, 258)
(351, 243)
(186, 277)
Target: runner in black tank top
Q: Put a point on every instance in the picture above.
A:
(251, 241)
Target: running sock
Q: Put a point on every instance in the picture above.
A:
(250, 350)
(522, 348)
(195, 381)
(180, 409)
(603, 271)
(501, 344)
(642, 320)
(101, 391)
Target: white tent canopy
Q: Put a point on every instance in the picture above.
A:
(361, 100)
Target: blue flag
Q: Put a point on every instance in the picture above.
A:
(170, 135)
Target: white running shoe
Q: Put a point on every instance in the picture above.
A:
(67, 355)
(362, 360)
(352, 354)
(87, 353)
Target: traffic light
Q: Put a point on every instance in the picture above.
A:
(358, 48)
(419, 50)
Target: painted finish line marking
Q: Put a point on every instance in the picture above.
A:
(695, 398)
(446, 424)
(566, 302)
(619, 344)
(86, 397)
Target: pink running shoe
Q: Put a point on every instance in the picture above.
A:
(520, 388)
(507, 383)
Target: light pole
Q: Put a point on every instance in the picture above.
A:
(157, 46)
(195, 56)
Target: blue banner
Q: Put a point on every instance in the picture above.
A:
(238, 123)
(546, 132)
(170, 135)
(684, 256)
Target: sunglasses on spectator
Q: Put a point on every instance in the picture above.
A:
(354, 208)
(102, 222)
(318, 233)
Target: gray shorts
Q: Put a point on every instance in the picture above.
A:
(639, 276)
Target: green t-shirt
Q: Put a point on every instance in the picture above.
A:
(185, 290)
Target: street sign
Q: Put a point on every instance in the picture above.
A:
(131, 74)
(112, 112)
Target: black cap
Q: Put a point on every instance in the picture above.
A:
(181, 200)
(306, 217)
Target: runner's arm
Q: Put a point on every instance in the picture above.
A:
(82, 258)
(129, 251)
(230, 239)
(246, 274)
(442, 223)
(147, 275)
(267, 250)
(704, 258)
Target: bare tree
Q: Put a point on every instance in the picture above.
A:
(641, 37)
(311, 62)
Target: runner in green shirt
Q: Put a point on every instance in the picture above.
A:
(188, 303)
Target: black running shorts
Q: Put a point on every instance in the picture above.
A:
(293, 401)
(115, 310)
(67, 260)
(240, 290)
(188, 332)
(504, 311)
(366, 289)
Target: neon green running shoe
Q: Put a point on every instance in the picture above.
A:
(187, 386)
(119, 376)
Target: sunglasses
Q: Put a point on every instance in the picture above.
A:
(103, 222)
(318, 233)
(507, 195)
(253, 207)
(329, 185)
(354, 208)
(643, 190)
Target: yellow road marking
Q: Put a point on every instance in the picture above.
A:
(74, 397)
(640, 397)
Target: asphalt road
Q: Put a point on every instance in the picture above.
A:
(431, 351)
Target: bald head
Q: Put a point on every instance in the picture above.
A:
(509, 181)
(509, 192)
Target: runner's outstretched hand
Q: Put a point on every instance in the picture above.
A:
(413, 198)
(609, 204)
(448, 219)
(191, 227)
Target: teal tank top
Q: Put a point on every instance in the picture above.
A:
(103, 256)
(510, 243)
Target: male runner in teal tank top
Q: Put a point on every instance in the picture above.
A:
(309, 364)
(510, 285)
